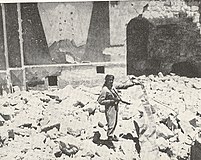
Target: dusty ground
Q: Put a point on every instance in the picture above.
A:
(70, 124)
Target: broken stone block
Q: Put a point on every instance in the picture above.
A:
(28, 125)
(11, 134)
(16, 89)
(22, 132)
(96, 137)
(170, 122)
(53, 133)
(58, 153)
(126, 116)
(6, 117)
(43, 121)
(90, 108)
(162, 143)
(51, 147)
(50, 126)
(64, 93)
(90, 90)
(164, 131)
(151, 77)
(88, 154)
(81, 96)
(46, 100)
(194, 8)
(187, 128)
(6, 104)
(7, 113)
(68, 149)
(55, 148)
(100, 125)
(23, 120)
(1, 120)
(184, 152)
(187, 115)
(174, 139)
(195, 122)
(75, 133)
(183, 138)
(52, 96)
(160, 75)
(14, 102)
(78, 104)
(38, 141)
(2, 140)
(164, 156)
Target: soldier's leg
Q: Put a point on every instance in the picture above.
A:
(111, 117)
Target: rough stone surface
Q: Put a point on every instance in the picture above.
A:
(52, 130)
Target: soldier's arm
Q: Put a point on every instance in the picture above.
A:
(102, 98)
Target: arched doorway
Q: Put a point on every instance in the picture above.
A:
(137, 34)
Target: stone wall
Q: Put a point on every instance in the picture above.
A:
(75, 75)
(174, 34)
(69, 20)
(157, 12)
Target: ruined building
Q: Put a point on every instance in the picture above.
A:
(55, 44)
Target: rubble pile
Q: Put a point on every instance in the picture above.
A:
(68, 123)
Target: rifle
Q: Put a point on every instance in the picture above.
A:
(120, 100)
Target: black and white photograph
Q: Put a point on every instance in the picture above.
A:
(100, 80)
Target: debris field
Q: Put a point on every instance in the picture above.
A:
(68, 123)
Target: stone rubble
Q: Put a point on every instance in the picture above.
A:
(68, 123)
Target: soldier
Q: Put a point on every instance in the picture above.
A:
(110, 98)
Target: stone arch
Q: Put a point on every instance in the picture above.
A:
(137, 34)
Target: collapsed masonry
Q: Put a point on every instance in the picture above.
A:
(69, 122)
(165, 38)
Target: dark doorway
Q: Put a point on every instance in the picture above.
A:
(186, 69)
(137, 42)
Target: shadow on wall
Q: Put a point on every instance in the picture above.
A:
(187, 69)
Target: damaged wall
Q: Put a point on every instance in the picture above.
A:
(177, 20)
(72, 74)
(85, 24)
(174, 35)
(63, 21)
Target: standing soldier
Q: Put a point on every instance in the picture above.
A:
(110, 98)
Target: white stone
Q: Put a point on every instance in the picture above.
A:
(194, 8)
(164, 131)
(164, 156)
